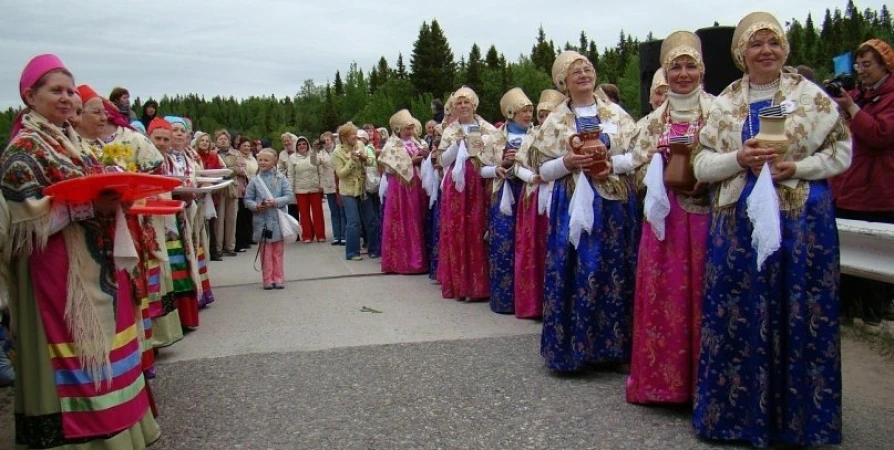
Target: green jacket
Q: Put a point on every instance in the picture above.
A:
(351, 174)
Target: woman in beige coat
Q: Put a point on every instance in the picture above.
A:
(304, 173)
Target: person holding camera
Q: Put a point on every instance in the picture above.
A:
(866, 190)
(350, 160)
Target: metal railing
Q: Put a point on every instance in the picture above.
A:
(867, 249)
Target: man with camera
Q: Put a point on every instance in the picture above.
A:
(866, 190)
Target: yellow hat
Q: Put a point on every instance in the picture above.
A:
(468, 93)
(561, 65)
(681, 43)
(448, 105)
(549, 99)
(401, 120)
(749, 25)
(514, 101)
(883, 49)
(417, 125)
(658, 80)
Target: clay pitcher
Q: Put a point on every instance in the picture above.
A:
(772, 134)
(588, 143)
(678, 173)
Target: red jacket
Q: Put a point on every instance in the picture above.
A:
(210, 160)
(868, 185)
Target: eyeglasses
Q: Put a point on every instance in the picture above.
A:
(864, 65)
(580, 72)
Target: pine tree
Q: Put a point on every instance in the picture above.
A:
(330, 116)
(493, 58)
(810, 42)
(339, 85)
(421, 61)
(474, 69)
(583, 43)
(826, 45)
(374, 82)
(543, 53)
(795, 35)
(593, 54)
(431, 65)
(446, 67)
(401, 68)
(384, 71)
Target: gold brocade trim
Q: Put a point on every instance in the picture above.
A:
(611, 188)
(791, 201)
(694, 205)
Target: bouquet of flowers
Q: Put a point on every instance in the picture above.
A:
(120, 155)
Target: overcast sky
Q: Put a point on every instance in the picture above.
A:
(262, 47)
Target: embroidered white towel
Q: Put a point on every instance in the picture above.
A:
(657, 205)
(459, 167)
(763, 211)
(507, 200)
(124, 251)
(581, 209)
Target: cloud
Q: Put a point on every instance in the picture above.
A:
(263, 47)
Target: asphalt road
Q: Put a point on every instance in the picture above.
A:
(305, 368)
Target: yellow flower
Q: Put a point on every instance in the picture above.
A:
(131, 167)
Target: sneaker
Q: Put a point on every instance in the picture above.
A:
(342, 242)
(216, 258)
(356, 258)
(335, 242)
(268, 287)
(278, 286)
(230, 253)
(374, 256)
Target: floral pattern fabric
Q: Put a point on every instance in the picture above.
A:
(588, 291)
(769, 370)
(501, 251)
(462, 256)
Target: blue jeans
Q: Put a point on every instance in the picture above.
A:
(336, 217)
(355, 211)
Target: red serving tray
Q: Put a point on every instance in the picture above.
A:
(156, 207)
(131, 186)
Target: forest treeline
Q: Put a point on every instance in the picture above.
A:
(433, 70)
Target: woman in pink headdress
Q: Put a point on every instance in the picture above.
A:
(82, 384)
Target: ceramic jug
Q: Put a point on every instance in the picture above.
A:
(678, 173)
(588, 143)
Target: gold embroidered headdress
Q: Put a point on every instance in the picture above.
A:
(561, 65)
(468, 93)
(549, 99)
(749, 25)
(400, 120)
(681, 43)
(658, 80)
(514, 101)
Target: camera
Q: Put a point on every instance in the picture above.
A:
(842, 82)
(266, 234)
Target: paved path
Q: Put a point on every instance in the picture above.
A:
(304, 368)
